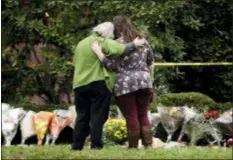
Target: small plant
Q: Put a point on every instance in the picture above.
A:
(115, 130)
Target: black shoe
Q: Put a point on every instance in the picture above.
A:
(76, 147)
(97, 146)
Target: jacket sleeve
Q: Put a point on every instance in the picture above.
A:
(114, 49)
(111, 64)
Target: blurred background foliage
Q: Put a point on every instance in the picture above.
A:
(178, 31)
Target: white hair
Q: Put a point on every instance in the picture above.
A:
(105, 29)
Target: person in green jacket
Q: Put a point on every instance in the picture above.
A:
(93, 84)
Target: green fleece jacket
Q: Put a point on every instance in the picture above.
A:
(88, 67)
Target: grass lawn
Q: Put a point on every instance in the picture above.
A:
(114, 152)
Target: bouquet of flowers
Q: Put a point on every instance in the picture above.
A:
(224, 123)
(27, 126)
(10, 122)
(171, 118)
(190, 114)
(41, 121)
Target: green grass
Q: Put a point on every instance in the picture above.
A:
(114, 152)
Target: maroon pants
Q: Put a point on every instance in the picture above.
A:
(134, 107)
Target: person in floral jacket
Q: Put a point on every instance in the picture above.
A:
(133, 87)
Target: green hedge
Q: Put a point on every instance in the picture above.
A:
(44, 107)
(191, 99)
(226, 106)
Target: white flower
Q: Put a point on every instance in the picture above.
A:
(117, 86)
(134, 87)
(143, 83)
(125, 84)
(127, 78)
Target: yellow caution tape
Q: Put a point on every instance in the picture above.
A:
(165, 64)
(161, 64)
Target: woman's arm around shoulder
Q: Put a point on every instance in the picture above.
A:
(110, 64)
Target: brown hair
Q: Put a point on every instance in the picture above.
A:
(123, 26)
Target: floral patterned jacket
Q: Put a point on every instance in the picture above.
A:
(132, 70)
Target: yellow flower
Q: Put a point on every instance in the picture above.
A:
(117, 134)
(110, 128)
(116, 130)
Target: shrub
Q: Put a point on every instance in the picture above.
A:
(191, 99)
(226, 106)
(152, 107)
(44, 107)
(115, 131)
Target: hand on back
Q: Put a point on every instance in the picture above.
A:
(139, 41)
(96, 47)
